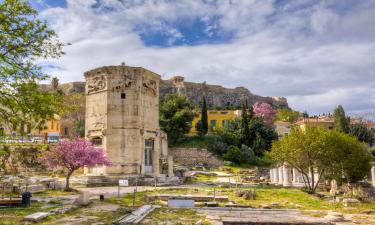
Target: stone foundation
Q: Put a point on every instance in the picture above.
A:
(101, 181)
(194, 157)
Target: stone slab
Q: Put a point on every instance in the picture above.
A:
(261, 216)
(137, 216)
(181, 203)
(36, 217)
(197, 198)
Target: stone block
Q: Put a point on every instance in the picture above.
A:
(36, 217)
(36, 188)
(350, 201)
(181, 202)
(334, 217)
(83, 198)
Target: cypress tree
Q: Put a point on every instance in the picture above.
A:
(246, 115)
(204, 117)
(340, 121)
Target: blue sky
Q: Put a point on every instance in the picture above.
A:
(318, 54)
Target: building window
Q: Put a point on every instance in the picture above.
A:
(213, 123)
(225, 123)
(2, 132)
(213, 112)
(123, 95)
(149, 149)
(97, 141)
(224, 112)
(66, 131)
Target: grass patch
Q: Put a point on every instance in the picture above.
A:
(93, 216)
(140, 198)
(193, 142)
(204, 178)
(285, 197)
(178, 216)
(14, 215)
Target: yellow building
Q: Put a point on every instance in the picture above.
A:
(321, 121)
(216, 119)
(282, 128)
(51, 133)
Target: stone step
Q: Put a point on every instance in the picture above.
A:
(36, 217)
(137, 216)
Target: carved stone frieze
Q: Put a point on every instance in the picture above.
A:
(95, 84)
(127, 82)
(149, 87)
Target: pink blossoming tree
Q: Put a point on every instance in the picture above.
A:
(73, 154)
(265, 111)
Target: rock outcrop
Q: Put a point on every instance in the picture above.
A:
(216, 96)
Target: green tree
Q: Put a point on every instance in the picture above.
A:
(327, 152)
(79, 128)
(264, 135)
(341, 122)
(29, 108)
(175, 117)
(233, 154)
(361, 131)
(287, 115)
(202, 124)
(23, 40)
(246, 135)
(204, 118)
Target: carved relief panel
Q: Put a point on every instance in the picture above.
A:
(149, 87)
(96, 84)
(127, 82)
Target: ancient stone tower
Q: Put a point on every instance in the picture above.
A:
(122, 116)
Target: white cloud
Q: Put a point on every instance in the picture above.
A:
(296, 50)
(323, 19)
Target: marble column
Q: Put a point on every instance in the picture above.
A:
(300, 178)
(280, 172)
(271, 176)
(170, 166)
(286, 175)
(275, 175)
(295, 175)
(373, 174)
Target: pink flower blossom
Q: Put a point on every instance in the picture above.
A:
(265, 111)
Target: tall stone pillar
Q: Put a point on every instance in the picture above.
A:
(286, 175)
(275, 175)
(295, 175)
(373, 174)
(170, 166)
(156, 155)
(280, 172)
(271, 176)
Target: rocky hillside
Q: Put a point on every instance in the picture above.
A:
(216, 96)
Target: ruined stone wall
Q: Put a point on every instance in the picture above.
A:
(192, 157)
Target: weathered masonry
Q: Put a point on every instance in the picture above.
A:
(122, 117)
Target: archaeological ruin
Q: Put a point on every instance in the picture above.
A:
(122, 117)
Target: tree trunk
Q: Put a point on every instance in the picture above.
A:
(312, 179)
(67, 185)
(318, 181)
